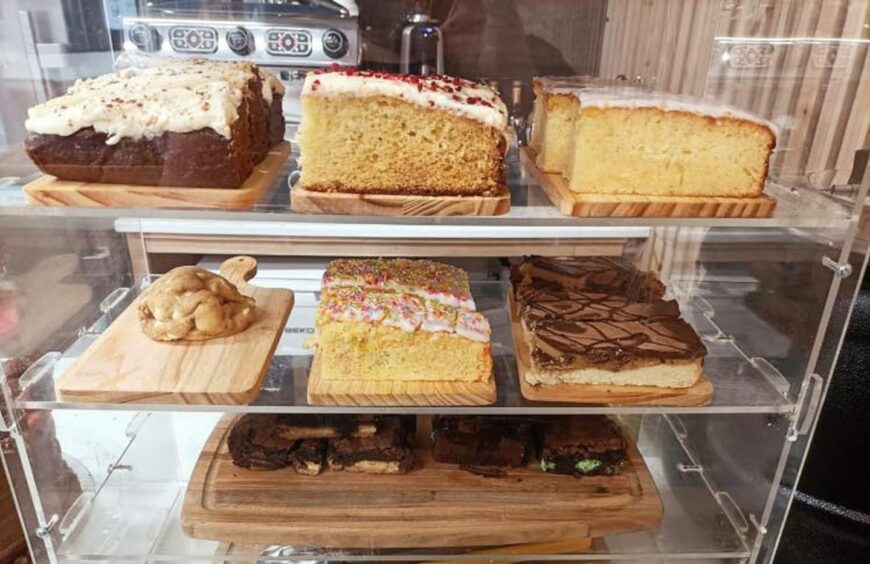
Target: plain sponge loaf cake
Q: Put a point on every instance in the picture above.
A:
(628, 140)
(382, 133)
(556, 109)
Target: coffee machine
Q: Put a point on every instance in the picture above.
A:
(289, 38)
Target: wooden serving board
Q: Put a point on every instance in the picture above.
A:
(49, 191)
(339, 203)
(699, 394)
(433, 505)
(627, 205)
(123, 365)
(395, 393)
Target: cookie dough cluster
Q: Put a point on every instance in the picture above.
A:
(193, 304)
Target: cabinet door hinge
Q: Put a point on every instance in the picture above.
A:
(807, 405)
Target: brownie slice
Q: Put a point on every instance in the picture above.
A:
(481, 441)
(307, 457)
(583, 445)
(317, 426)
(265, 441)
(389, 451)
(254, 443)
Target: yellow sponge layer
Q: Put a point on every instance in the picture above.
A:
(649, 151)
(386, 146)
(557, 132)
(354, 350)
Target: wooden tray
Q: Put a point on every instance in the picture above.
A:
(47, 190)
(699, 394)
(123, 365)
(433, 505)
(606, 205)
(393, 393)
(307, 201)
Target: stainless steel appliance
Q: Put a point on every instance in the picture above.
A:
(289, 39)
(422, 50)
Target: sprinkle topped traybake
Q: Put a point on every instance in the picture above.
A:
(396, 320)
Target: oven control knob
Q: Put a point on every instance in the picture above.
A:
(145, 37)
(335, 44)
(240, 41)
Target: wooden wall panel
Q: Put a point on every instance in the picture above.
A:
(11, 538)
(816, 89)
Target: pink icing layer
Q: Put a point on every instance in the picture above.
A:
(403, 311)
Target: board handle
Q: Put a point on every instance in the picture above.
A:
(239, 270)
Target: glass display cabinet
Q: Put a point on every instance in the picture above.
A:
(109, 479)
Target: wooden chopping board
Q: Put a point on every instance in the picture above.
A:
(123, 365)
(309, 201)
(395, 393)
(433, 505)
(50, 191)
(699, 394)
(628, 205)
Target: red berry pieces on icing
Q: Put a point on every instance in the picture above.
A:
(455, 89)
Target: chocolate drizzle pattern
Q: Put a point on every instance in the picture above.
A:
(572, 328)
(598, 274)
(546, 302)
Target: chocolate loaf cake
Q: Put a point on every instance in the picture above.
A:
(594, 328)
(172, 122)
(481, 441)
(585, 445)
(389, 451)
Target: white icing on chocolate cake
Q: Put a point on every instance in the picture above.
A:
(174, 95)
(455, 95)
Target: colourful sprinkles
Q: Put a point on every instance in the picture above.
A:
(427, 279)
(406, 294)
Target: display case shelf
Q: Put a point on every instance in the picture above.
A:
(532, 216)
(134, 511)
(741, 383)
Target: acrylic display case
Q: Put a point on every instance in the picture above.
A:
(105, 481)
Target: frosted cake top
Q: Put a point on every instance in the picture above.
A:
(455, 95)
(169, 95)
(439, 282)
(592, 94)
(402, 311)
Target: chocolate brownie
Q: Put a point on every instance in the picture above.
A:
(307, 457)
(266, 441)
(253, 443)
(389, 451)
(481, 440)
(583, 445)
(322, 426)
